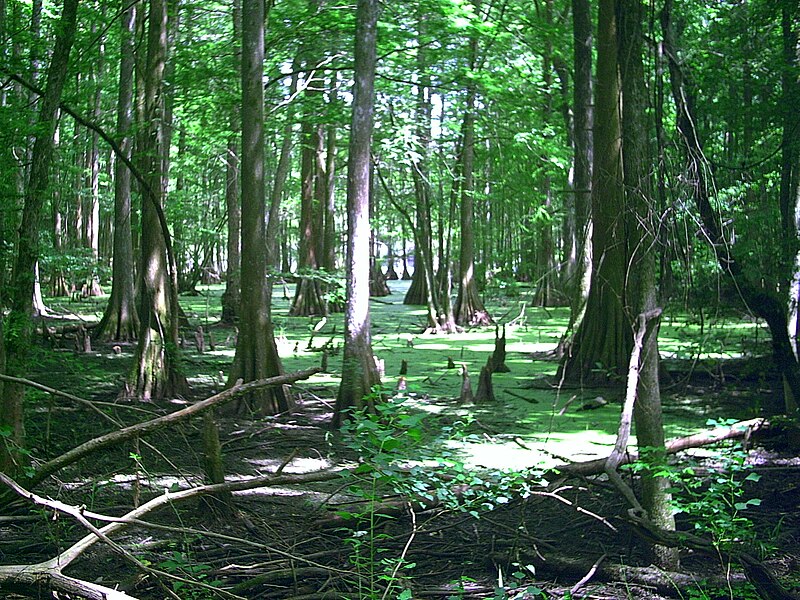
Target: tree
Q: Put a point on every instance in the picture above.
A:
(762, 300)
(469, 309)
(642, 293)
(602, 343)
(120, 320)
(309, 299)
(256, 352)
(578, 269)
(232, 295)
(156, 372)
(359, 372)
(18, 330)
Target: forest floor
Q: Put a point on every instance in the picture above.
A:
(483, 523)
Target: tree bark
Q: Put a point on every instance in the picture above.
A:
(231, 297)
(642, 293)
(19, 326)
(156, 372)
(359, 372)
(120, 320)
(600, 350)
(469, 308)
(256, 351)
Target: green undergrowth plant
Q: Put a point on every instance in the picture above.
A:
(406, 452)
(713, 496)
(187, 570)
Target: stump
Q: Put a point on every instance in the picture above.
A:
(498, 358)
(466, 387)
(485, 391)
(200, 340)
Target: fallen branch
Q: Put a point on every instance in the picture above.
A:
(614, 460)
(696, 440)
(148, 427)
(667, 583)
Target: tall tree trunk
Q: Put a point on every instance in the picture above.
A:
(58, 278)
(309, 297)
(92, 236)
(120, 320)
(156, 372)
(422, 290)
(359, 371)
(377, 279)
(469, 309)
(20, 322)
(603, 340)
(579, 240)
(789, 201)
(256, 351)
(545, 255)
(231, 297)
(274, 228)
(329, 230)
(641, 294)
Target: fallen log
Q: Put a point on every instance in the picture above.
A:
(742, 429)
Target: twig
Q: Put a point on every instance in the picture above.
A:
(402, 556)
(588, 575)
(580, 509)
(566, 405)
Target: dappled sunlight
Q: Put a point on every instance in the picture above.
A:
(534, 451)
(296, 465)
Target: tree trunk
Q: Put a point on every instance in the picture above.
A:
(641, 293)
(469, 309)
(156, 372)
(276, 237)
(359, 372)
(231, 297)
(599, 353)
(377, 280)
(256, 351)
(329, 212)
(790, 158)
(545, 255)
(19, 319)
(422, 290)
(309, 297)
(120, 320)
(579, 242)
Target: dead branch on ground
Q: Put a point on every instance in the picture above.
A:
(148, 427)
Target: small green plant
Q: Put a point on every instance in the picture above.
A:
(180, 564)
(715, 503)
